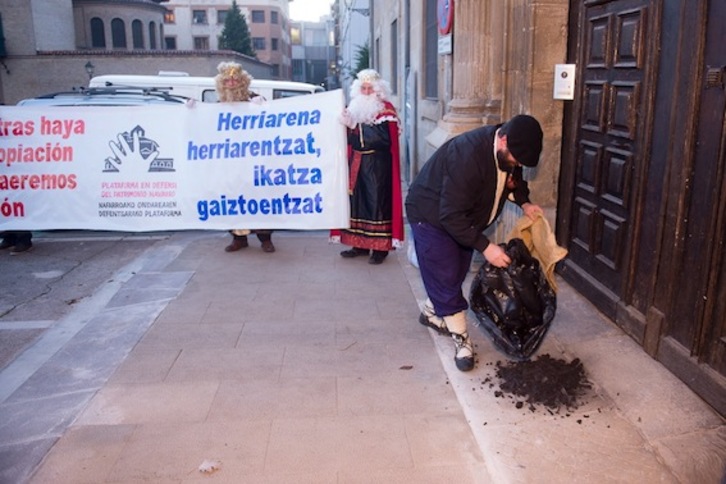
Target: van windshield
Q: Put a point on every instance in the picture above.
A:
(283, 93)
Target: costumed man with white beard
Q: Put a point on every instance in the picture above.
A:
(376, 208)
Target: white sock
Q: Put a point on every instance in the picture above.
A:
(456, 323)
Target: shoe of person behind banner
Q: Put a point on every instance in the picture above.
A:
(377, 257)
(237, 244)
(21, 248)
(6, 244)
(354, 252)
(267, 246)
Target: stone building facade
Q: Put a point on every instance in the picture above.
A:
(483, 73)
(313, 53)
(57, 46)
(122, 26)
(632, 175)
(197, 25)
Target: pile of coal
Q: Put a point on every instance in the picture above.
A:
(545, 381)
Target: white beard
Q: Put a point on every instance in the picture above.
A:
(364, 109)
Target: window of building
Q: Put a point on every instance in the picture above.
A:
(295, 37)
(431, 52)
(394, 57)
(201, 43)
(98, 33)
(273, 17)
(258, 43)
(275, 70)
(273, 44)
(222, 16)
(169, 17)
(137, 34)
(199, 16)
(316, 38)
(297, 67)
(258, 16)
(118, 33)
(152, 35)
(170, 43)
(317, 70)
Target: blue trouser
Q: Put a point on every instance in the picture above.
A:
(444, 264)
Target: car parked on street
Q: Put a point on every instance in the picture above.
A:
(105, 96)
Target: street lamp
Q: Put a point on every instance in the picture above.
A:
(89, 69)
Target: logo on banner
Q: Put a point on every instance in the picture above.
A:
(134, 147)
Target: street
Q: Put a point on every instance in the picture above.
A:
(64, 268)
(139, 357)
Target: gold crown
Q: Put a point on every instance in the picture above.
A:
(368, 76)
(229, 69)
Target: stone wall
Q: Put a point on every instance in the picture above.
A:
(537, 40)
(502, 63)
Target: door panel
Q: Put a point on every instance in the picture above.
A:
(693, 339)
(643, 181)
(714, 354)
(609, 138)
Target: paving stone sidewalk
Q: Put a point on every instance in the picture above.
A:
(302, 366)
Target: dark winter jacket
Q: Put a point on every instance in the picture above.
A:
(456, 188)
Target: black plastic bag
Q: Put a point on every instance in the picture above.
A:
(515, 305)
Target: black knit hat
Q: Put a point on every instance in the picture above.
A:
(524, 139)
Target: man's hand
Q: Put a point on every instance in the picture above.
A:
(532, 211)
(346, 120)
(496, 256)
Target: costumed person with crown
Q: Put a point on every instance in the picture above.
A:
(376, 207)
(233, 85)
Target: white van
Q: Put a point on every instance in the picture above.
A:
(201, 88)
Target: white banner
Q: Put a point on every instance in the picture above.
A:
(278, 165)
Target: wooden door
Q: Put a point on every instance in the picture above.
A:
(692, 289)
(642, 204)
(605, 144)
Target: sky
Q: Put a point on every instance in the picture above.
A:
(309, 10)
